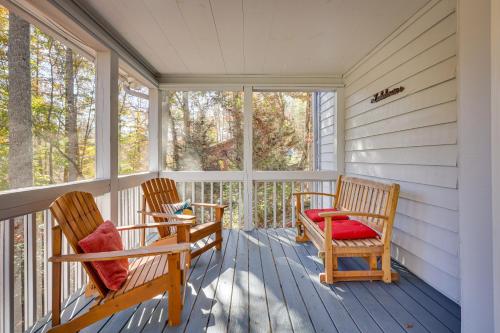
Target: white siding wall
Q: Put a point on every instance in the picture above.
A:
(411, 138)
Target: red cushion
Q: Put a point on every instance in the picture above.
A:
(106, 238)
(350, 229)
(313, 214)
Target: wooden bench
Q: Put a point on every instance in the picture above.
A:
(370, 202)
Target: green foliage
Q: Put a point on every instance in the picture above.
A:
(133, 129)
(50, 110)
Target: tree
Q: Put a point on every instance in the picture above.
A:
(20, 120)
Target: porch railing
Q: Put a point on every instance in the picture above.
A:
(25, 225)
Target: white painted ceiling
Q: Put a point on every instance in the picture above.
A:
(284, 37)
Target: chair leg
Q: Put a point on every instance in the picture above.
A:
(372, 262)
(219, 212)
(218, 235)
(174, 290)
(386, 267)
(301, 236)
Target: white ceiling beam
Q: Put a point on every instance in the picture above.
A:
(189, 80)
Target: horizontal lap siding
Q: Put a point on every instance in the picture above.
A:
(411, 138)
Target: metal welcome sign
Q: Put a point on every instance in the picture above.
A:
(386, 93)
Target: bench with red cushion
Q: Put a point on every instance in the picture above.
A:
(313, 214)
(350, 229)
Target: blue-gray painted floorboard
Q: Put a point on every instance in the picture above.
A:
(263, 281)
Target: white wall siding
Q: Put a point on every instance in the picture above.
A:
(411, 138)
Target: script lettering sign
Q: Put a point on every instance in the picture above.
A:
(386, 93)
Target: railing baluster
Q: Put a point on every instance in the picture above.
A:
(274, 204)
(302, 197)
(202, 200)
(30, 295)
(255, 205)
(292, 204)
(183, 191)
(283, 202)
(211, 200)
(231, 204)
(240, 206)
(7, 275)
(193, 195)
(265, 205)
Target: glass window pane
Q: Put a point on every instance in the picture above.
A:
(133, 109)
(47, 108)
(204, 130)
(282, 131)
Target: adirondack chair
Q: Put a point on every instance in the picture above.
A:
(156, 269)
(160, 191)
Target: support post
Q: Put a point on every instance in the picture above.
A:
(107, 128)
(247, 157)
(155, 128)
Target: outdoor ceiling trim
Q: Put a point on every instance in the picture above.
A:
(169, 81)
(96, 26)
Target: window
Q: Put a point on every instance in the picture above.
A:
(47, 108)
(282, 131)
(204, 130)
(133, 110)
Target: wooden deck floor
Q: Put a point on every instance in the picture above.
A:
(262, 281)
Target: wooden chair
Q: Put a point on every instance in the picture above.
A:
(373, 204)
(160, 191)
(156, 269)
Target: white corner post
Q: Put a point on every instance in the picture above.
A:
(474, 181)
(247, 157)
(107, 128)
(495, 154)
(155, 137)
(339, 131)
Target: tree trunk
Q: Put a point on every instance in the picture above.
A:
(186, 116)
(169, 123)
(71, 119)
(20, 118)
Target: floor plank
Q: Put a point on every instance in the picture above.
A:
(263, 281)
(258, 310)
(338, 299)
(219, 316)
(200, 313)
(238, 313)
(278, 313)
(320, 318)
(297, 309)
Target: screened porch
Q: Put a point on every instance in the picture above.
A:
(260, 113)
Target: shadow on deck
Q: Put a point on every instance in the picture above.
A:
(263, 281)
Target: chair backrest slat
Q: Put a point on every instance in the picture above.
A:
(157, 192)
(78, 216)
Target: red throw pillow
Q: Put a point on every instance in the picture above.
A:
(106, 238)
(313, 214)
(350, 229)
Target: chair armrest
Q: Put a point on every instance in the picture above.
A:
(202, 204)
(152, 225)
(314, 193)
(168, 216)
(330, 214)
(113, 255)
